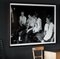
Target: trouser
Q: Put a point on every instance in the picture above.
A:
(23, 27)
(31, 36)
(23, 35)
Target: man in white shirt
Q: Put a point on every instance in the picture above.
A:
(37, 25)
(22, 21)
(30, 24)
(31, 21)
(48, 29)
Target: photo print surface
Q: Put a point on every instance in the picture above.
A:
(32, 24)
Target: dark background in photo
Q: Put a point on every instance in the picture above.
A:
(42, 12)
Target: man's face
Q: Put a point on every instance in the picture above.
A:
(47, 21)
(29, 16)
(22, 13)
(34, 17)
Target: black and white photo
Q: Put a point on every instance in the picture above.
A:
(32, 24)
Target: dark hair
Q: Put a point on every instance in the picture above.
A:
(29, 14)
(35, 14)
(49, 17)
(22, 11)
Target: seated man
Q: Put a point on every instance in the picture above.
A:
(30, 24)
(48, 30)
(35, 29)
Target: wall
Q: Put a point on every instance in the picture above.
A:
(23, 52)
(49, 55)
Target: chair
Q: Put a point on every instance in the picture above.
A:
(38, 52)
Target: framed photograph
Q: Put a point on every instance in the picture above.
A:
(32, 24)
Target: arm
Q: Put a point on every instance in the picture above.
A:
(49, 33)
(25, 20)
(27, 24)
(29, 30)
(39, 22)
(20, 22)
